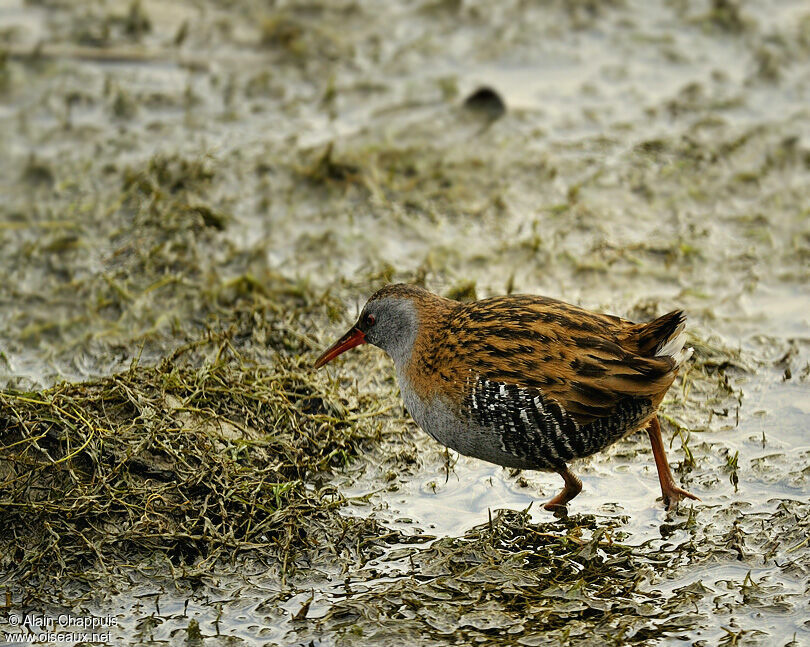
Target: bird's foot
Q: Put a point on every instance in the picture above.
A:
(573, 486)
(557, 504)
(673, 495)
(559, 510)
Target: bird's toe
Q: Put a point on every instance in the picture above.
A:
(673, 495)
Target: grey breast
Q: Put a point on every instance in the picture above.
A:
(465, 432)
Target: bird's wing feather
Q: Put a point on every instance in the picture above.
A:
(587, 363)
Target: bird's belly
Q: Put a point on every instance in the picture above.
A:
(438, 419)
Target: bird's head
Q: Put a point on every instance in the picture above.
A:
(389, 320)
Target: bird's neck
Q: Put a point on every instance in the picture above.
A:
(399, 344)
(421, 342)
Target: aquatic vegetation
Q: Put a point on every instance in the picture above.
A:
(198, 459)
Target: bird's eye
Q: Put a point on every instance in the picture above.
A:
(370, 319)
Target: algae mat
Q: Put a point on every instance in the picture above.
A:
(196, 196)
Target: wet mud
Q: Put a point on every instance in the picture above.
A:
(197, 196)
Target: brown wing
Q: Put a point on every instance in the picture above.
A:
(587, 362)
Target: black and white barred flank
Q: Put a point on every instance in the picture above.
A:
(538, 428)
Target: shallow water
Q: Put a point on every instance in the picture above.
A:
(652, 156)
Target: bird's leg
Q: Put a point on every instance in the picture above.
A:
(573, 486)
(670, 492)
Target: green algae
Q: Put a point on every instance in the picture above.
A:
(203, 457)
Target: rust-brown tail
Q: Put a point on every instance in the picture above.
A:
(665, 337)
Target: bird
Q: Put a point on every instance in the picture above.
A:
(524, 381)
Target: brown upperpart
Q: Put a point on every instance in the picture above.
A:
(586, 361)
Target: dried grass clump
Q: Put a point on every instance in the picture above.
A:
(178, 463)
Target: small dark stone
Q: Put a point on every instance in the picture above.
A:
(486, 101)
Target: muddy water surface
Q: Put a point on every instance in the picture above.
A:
(651, 156)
